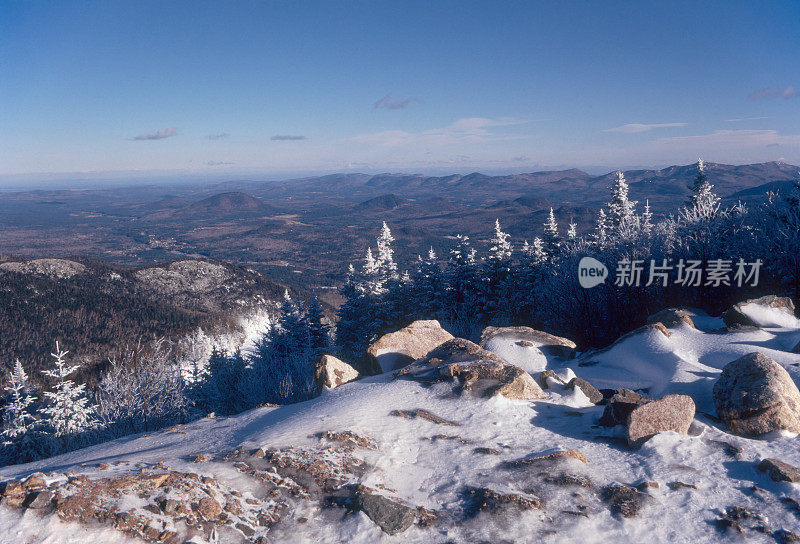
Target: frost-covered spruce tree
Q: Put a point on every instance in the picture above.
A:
(647, 219)
(355, 323)
(68, 411)
(387, 269)
(428, 290)
(703, 202)
(463, 289)
(497, 293)
(621, 208)
(599, 237)
(18, 419)
(572, 231)
(552, 240)
(319, 331)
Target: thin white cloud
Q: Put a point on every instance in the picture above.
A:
(774, 92)
(740, 119)
(287, 137)
(461, 131)
(633, 128)
(220, 136)
(732, 140)
(387, 104)
(158, 135)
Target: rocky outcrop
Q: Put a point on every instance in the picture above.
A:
(780, 471)
(401, 348)
(527, 337)
(671, 317)
(735, 315)
(474, 369)
(331, 372)
(755, 395)
(669, 413)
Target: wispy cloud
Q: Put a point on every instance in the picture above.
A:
(220, 136)
(387, 104)
(633, 128)
(774, 92)
(732, 140)
(287, 137)
(740, 119)
(219, 163)
(462, 131)
(158, 135)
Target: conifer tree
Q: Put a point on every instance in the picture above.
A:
(572, 231)
(703, 203)
(621, 208)
(552, 240)
(68, 411)
(319, 331)
(18, 419)
(647, 219)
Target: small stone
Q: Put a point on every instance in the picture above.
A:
(591, 392)
(623, 500)
(209, 508)
(780, 471)
(391, 516)
(486, 451)
(245, 529)
(551, 374)
(39, 499)
(647, 485)
(681, 485)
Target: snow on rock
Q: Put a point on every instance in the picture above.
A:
(397, 349)
(525, 347)
(767, 311)
(493, 474)
(332, 372)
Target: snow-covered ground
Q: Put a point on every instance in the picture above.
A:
(432, 465)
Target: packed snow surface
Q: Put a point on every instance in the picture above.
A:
(431, 465)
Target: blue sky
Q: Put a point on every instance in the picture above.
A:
(283, 88)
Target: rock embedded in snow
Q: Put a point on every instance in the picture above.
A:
(532, 336)
(39, 499)
(591, 392)
(619, 407)
(670, 317)
(332, 372)
(391, 516)
(755, 395)
(476, 370)
(397, 349)
(737, 315)
(549, 375)
(669, 413)
(624, 500)
(526, 348)
(780, 471)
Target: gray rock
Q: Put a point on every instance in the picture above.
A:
(588, 389)
(549, 374)
(401, 348)
(669, 413)
(548, 343)
(780, 471)
(476, 369)
(39, 499)
(672, 316)
(755, 395)
(734, 316)
(619, 407)
(332, 372)
(624, 500)
(391, 516)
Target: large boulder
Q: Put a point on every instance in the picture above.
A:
(620, 406)
(401, 348)
(669, 413)
(755, 395)
(390, 515)
(780, 471)
(743, 314)
(476, 369)
(332, 372)
(525, 347)
(671, 317)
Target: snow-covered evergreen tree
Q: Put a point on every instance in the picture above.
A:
(319, 331)
(621, 209)
(387, 269)
(18, 419)
(68, 411)
(572, 231)
(599, 237)
(647, 219)
(428, 287)
(552, 240)
(703, 203)
(497, 293)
